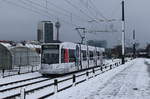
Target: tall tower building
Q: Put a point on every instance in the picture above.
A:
(45, 32)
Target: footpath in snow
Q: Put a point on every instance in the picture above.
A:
(129, 81)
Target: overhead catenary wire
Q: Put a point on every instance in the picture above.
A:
(92, 10)
(39, 11)
(97, 10)
(80, 10)
(47, 9)
(44, 10)
(36, 8)
(65, 10)
(24, 7)
(89, 8)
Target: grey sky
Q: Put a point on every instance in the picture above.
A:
(17, 23)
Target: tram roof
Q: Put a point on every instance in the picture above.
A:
(72, 45)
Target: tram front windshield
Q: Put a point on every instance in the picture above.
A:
(50, 54)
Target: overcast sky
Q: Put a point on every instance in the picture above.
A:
(19, 18)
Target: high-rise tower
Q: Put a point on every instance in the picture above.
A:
(45, 32)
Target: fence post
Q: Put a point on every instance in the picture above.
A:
(3, 71)
(32, 69)
(74, 80)
(87, 75)
(110, 66)
(105, 66)
(93, 72)
(19, 69)
(22, 93)
(55, 86)
(20, 65)
(101, 68)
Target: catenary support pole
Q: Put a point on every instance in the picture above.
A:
(134, 42)
(123, 33)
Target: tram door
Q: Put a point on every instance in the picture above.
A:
(77, 57)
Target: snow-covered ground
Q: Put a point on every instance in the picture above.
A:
(32, 86)
(129, 81)
(23, 69)
(28, 69)
(19, 77)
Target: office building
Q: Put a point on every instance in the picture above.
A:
(45, 32)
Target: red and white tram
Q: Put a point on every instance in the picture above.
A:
(66, 57)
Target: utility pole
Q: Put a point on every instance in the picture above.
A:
(134, 42)
(123, 33)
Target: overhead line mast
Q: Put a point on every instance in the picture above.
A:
(123, 33)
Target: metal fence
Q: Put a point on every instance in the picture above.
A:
(21, 60)
(18, 59)
(19, 70)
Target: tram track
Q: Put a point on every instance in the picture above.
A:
(23, 84)
(31, 86)
(18, 81)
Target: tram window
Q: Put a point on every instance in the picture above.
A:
(103, 54)
(84, 55)
(70, 58)
(98, 54)
(91, 55)
(71, 55)
(50, 57)
(62, 56)
(50, 54)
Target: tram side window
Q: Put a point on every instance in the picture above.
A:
(67, 55)
(98, 54)
(62, 56)
(71, 55)
(84, 55)
(103, 53)
(91, 55)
